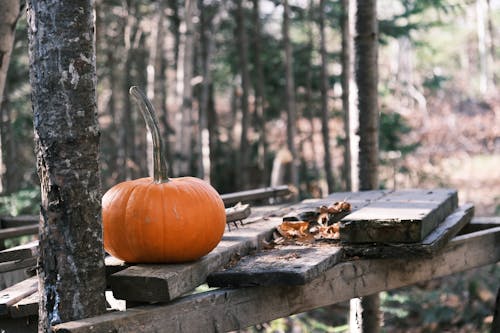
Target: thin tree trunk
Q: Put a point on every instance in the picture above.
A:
(71, 266)
(185, 127)
(325, 118)
(346, 62)
(244, 159)
(481, 30)
(290, 97)
(492, 45)
(9, 14)
(367, 81)
(367, 312)
(208, 25)
(259, 92)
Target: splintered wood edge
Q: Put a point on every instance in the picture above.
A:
(233, 309)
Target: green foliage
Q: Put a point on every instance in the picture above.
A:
(26, 201)
(393, 127)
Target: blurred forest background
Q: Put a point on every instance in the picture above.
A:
(239, 100)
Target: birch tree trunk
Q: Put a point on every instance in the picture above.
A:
(366, 309)
(290, 97)
(9, 14)
(349, 103)
(325, 115)
(63, 81)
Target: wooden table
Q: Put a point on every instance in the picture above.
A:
(161, 298)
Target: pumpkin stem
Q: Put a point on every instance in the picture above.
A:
(160, 167)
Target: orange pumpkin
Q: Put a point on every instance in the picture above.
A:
(161, 220)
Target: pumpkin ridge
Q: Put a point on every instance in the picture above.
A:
(130, 236)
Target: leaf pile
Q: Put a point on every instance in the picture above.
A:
(321, 224)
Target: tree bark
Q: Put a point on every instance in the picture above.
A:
(346, 77)
(185, 126)
(9, 14)
(290, 97)
(242, 45)
(366, 41)
(325, 114)
(63, 81)
(259, 93)
(367, 81)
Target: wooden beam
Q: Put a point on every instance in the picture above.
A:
(257, 194)
(18, 231)
(231, 309)
(25, 251)
(18, 221)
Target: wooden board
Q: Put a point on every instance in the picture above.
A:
(256, 194)
(287, 265)
(25, 251)
(404, 216)
(27, 306)
(159, 283)
(15, 293)
(18, 231)
(155, 283)
(435, 241)
(224, 310)
(295, 265)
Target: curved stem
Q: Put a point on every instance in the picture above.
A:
(160, 167)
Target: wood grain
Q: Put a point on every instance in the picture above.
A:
(403, 216)
(231, 309)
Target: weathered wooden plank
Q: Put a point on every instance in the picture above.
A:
(435, 241)
(18, 231)
(256, 194)
(481, 223)
(28, 250)
(155, 283)
(237, 213)
(231, 309)
(27, 306)
(17, 292)
(290, 265)
(404, 216)
(17, 264)
(18, 221)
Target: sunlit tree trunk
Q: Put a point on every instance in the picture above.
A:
(325, 114)
(71, 265)
(366, 318)
(259, 92)
(349, 97)
(243, 160)
(290, 97)
(9, 14)
(209, 23)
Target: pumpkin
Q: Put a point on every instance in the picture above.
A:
(161, 219)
